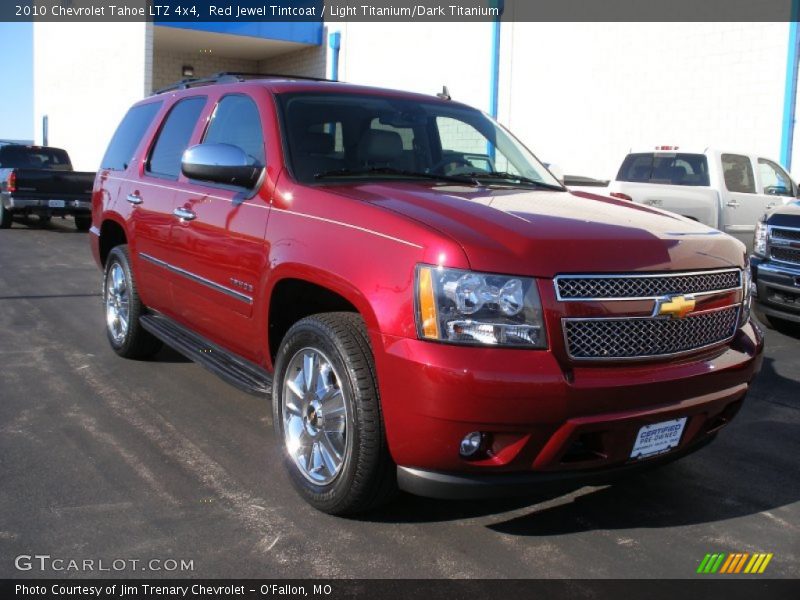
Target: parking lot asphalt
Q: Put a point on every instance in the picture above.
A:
(106, 458)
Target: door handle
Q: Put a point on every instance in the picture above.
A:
(134, 198)
(772, 205)
(184, 214)
(733, 203)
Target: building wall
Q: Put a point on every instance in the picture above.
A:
(168, 66)
(309, 62)
(582, 94)
(85, 80)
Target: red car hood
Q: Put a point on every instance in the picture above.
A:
(543, 233)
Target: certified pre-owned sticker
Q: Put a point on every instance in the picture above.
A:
(734, 563)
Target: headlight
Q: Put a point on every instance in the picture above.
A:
(747, 293)
(760, 239)
(465, 307)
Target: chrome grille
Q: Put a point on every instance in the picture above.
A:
(621, 287)
(785, 234)
(787, 255)
(645, 337)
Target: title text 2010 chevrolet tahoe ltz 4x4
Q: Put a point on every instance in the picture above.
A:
(429, 307)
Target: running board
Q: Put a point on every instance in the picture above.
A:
(237, 371)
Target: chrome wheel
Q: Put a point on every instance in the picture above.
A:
(117, 303)
(315, 416)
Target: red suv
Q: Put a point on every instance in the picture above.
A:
(427, 305)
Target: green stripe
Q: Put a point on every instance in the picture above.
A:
(701, 568)
(718, 564)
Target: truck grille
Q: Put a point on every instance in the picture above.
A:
(785, 234)
(787, 255)
(627, 287)
(645, 337)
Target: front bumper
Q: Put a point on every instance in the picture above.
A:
(777, 289)
(545, 421)
(40, 206)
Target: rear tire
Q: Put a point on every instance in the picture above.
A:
(5, 217)
(123, 307)
(83, 222)
(331, 428)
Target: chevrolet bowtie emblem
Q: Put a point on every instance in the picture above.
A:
(675, 307)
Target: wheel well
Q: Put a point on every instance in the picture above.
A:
(111, 235)
(295, 299)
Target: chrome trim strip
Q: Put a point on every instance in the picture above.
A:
(197, 278)
(652, 356)
(769, 268)
(642, 276)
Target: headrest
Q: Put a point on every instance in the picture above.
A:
(380, 146)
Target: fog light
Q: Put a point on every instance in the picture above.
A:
(471, 444)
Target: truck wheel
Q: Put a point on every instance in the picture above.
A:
(5, 217)
(83, 222)
(327, 415)
(123, 307)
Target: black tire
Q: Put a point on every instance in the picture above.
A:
(367, 477)
(136, 341)
(83, 222)
(6, 218)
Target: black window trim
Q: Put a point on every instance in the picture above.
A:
(159, 104)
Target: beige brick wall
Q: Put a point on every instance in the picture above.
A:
(167, 66)
(310, 62)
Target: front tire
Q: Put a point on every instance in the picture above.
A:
(327, 415)
(123, 307)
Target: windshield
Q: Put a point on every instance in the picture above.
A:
(335, 137)
(665, 168)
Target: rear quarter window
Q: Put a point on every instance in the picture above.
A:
(128, 135)
(665, 168)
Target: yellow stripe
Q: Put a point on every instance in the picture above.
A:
(751, 563)
(754, 567)
(741, 562)
(765, 563)
(724, 568)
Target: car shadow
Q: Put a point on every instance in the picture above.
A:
(743, 472)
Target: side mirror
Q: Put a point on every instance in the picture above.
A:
(220, 163)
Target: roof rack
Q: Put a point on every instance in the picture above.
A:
(231, 77)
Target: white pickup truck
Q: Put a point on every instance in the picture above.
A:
(725, 190)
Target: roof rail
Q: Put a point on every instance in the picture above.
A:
(230, 77)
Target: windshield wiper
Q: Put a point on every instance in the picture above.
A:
(469, 178)
(506, 176)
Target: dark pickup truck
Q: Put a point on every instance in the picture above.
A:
(776, 266)
(39, 180)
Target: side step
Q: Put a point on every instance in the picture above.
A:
(237, 371)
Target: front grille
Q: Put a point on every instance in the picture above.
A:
(787, 255)
(645, 337)
(606, 287)
(785, 234)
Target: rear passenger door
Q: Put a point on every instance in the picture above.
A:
(150, 195)
(221, 245)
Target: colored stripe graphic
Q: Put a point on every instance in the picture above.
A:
(722, 563)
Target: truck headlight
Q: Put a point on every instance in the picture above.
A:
(465, 307)
(760, 239)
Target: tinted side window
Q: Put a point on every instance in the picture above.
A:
(236, 122)
(172, 140)
(738, 173)
(128, 135)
